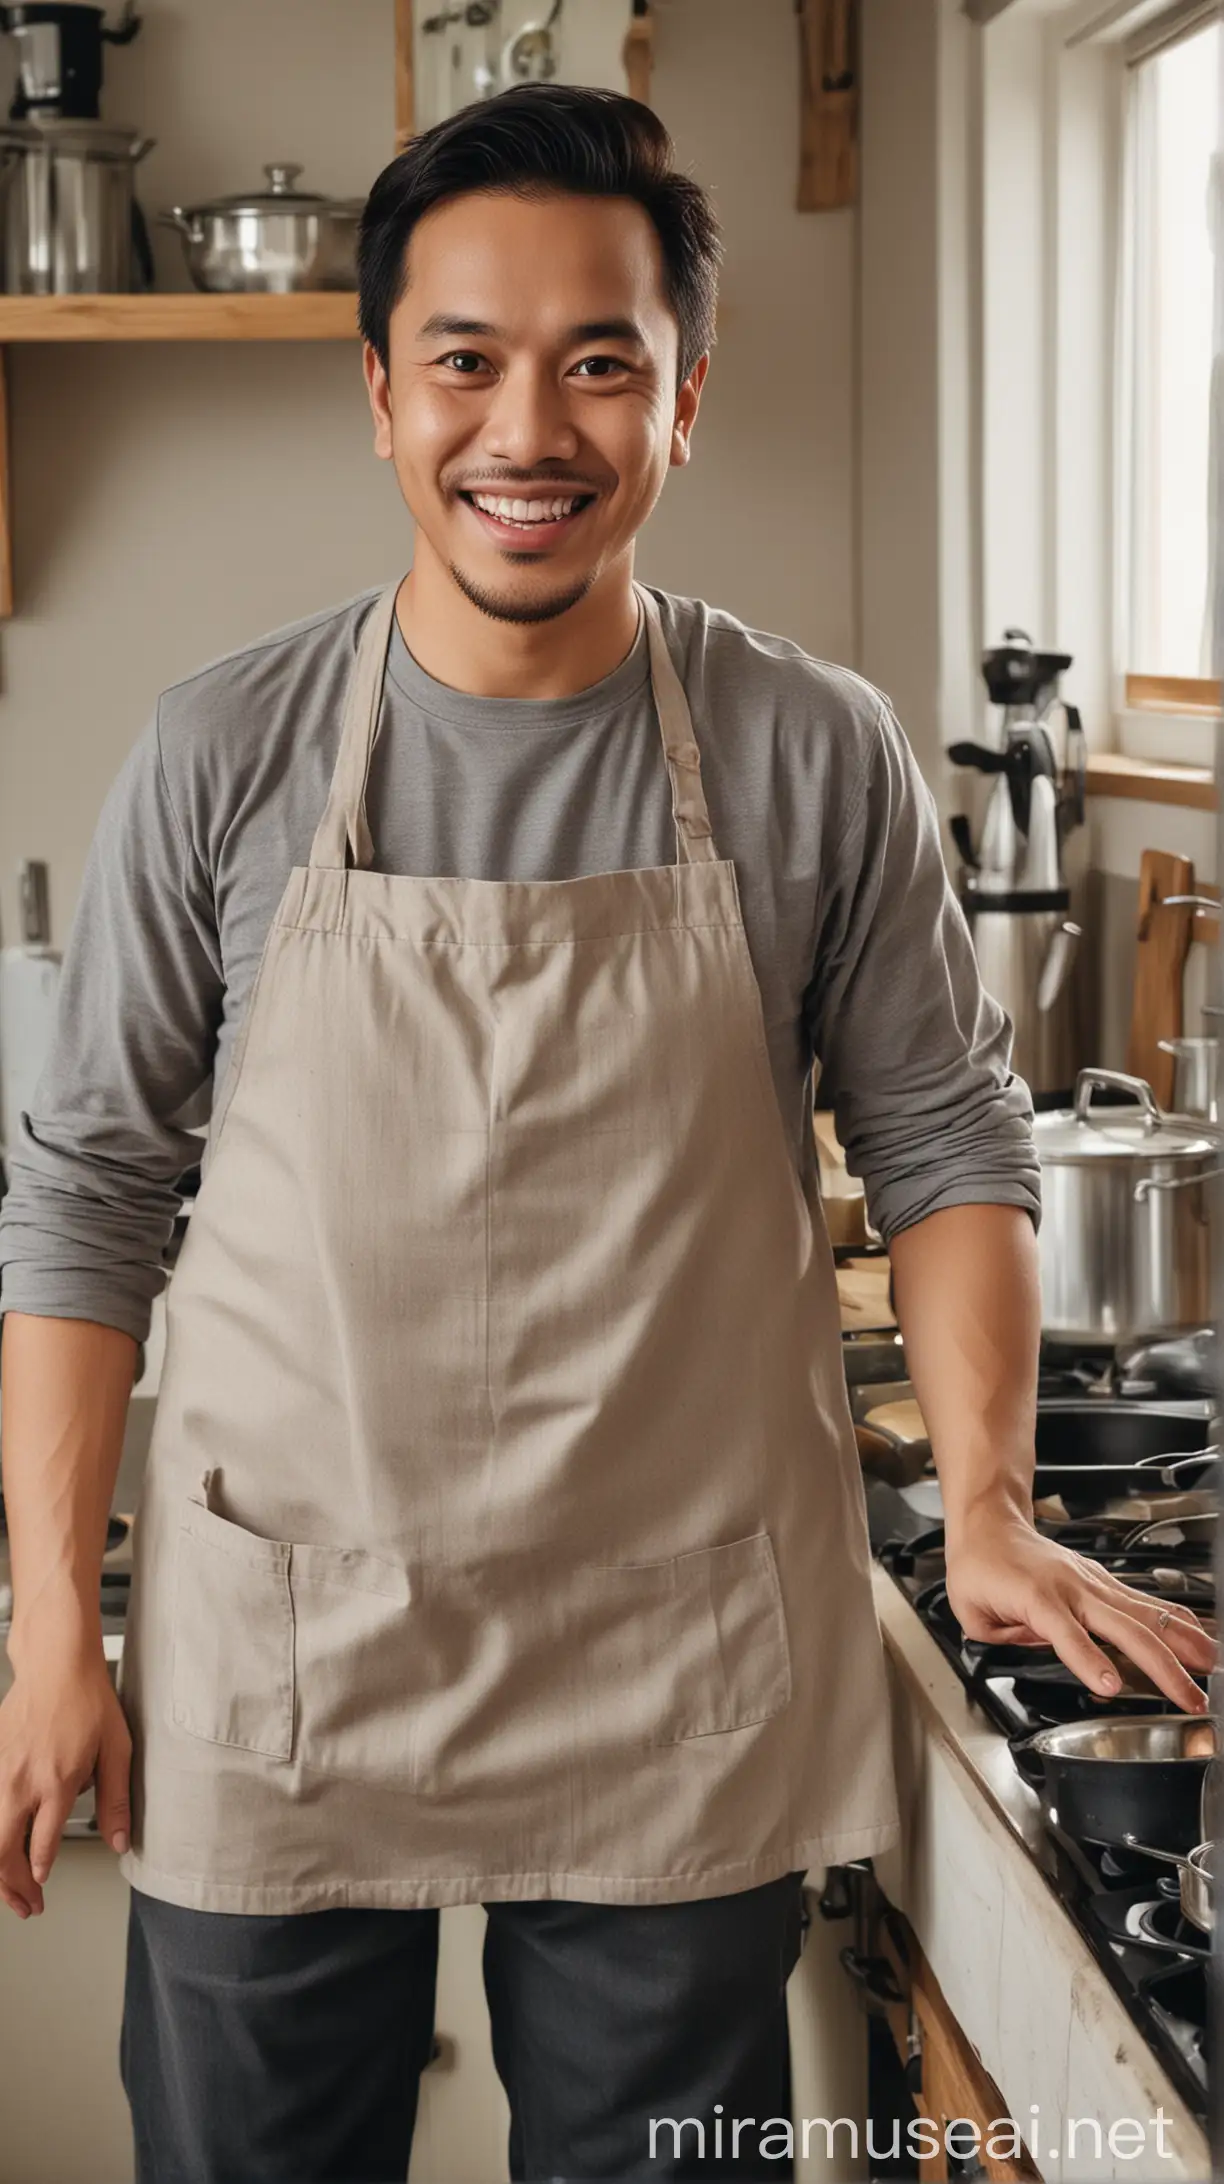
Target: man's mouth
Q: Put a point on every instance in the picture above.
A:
(528, 517)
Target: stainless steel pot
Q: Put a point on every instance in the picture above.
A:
(71, 226)
(1195, 1888)
(1126, 1197)
(272, 241)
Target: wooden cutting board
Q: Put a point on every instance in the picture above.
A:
(902, 1418)
(1163, 944)
(862, 1289)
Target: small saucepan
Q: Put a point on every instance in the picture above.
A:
(1123, 1776)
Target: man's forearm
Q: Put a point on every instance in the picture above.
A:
(66, 1386)
(968, 1300)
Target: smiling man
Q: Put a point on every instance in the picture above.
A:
(502, 1539)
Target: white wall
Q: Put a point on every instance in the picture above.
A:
(919, 547)
(171, 501)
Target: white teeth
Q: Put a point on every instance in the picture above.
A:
(524, 513)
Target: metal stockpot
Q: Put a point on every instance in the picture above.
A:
(278, 240)
(1126, 1194)
(71, 226)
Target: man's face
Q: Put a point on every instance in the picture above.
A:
(531, 408)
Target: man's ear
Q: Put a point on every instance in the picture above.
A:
(687, 402)
(380, 400)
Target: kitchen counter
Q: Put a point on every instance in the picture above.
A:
(1014, 1969)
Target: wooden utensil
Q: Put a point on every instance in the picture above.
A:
(1164, 934)
(828, 114)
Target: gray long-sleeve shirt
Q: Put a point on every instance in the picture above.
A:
(859, 946)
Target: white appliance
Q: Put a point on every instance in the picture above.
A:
(29, 999)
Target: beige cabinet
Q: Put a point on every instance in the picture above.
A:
(63, 2116)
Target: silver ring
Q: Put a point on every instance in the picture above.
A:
(1164, 1618)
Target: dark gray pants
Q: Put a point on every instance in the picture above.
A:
(289, 2050)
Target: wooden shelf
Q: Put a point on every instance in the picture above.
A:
(1110, 773)
(324, 315)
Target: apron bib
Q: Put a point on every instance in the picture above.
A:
(503, 1531)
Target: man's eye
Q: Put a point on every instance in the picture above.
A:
(603, 366)
(464, 361)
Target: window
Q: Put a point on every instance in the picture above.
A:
(1175, 197)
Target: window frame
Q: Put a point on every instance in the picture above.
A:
(1157, 716)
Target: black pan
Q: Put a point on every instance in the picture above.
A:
(1091, 1450)
(1123, 1777)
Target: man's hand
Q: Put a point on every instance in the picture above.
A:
(61, 1727)
(66, 1389)
(968, 1300)
(1009, 1585)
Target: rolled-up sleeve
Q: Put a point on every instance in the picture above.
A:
(91, 1197)
(915, 1055)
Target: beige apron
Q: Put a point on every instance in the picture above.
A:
(503, 1532)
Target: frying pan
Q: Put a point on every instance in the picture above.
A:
(1089, 1450)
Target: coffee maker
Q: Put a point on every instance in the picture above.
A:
(1013, 884)
(59, 57)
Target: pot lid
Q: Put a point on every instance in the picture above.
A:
(279, 196)
(1140, 1131)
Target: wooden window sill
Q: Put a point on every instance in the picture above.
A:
(1181, 694)
(1111, 773)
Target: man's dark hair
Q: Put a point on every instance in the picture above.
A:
(532, 141)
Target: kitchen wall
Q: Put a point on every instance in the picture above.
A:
(172, 501)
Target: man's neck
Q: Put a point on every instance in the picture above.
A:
(471, 651)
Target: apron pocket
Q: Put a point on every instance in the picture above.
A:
(691, 1646)
(295, 1652)
(232, 1672)
(355, 1637)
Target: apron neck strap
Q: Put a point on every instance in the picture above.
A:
(694, 834)
(342, 837)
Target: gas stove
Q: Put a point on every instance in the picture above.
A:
(1125, 1905)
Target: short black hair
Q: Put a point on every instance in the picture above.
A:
(532, 141)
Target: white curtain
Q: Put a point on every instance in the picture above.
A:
(1213, 620)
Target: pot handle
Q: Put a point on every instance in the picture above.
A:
(1170, 1857)
(1028, 1762)
(1152, 1183)
(1114, 1080)
(177, 218)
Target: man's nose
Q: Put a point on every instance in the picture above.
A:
(527, 421)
